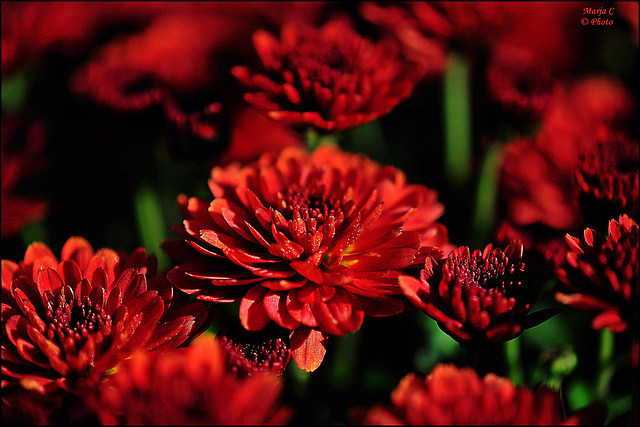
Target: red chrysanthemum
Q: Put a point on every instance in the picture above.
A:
(480, 297)
(189, 386)
(458, 396)
(65, 324)
(608, 173)
(426, 30)
(520, 80)
(311, 241)
(602, 272)
(331, 78)
(539, 196)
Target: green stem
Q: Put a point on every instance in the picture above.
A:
(607, 344)
(514, 361)
(457, 121)
(151, 223)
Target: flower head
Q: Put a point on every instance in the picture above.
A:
(608, 173)
(189, 385)
(602, 272)
(65, 324)
(329, 77)
(310, 241)
(480, 297)
(458, 396)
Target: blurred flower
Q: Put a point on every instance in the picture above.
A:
(330, 77)
(427, 30)
(65, 324)
(188, 386)
(21, 156)
(520, 80)
(311, 241)
(608, 173)
(458, 396)
(538, 193)
(602, 272)
(482, 297)
(253, 352)
(33, 29)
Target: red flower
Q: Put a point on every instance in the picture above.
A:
(312, 242)
(520, 80)
(608, 173)
(426, 30)
(479, 298)
(603, 275)
(64, 324)
(188, 386)
(331, 78)
(458, 396)
(539, 195)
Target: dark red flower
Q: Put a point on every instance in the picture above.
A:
(21, 156)
(311, 241)
(602, 273)
(329, 77)
(480, 297)
(427, 30)
(520, 80)
(65, 324)
(188, 386)
(608, 173)
(175, 60)
(458, 396)
(538, 191)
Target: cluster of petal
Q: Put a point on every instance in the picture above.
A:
(188, 386)
(311, 241)
(520, 81)
(480, 297)
(608, 173)
(252, 352)
(329, 77)
(458, 396)
(602, 273)
(427, 29)
(174, 61)
(538, 191)
(64, 324)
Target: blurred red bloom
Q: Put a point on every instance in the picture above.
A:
(65, 324)
(188, 386)
(520, 80)
(608, 173)
(602, 272)
(426, 30)
(311, 241)
(480, 297)
(329, 77)
(539, 193)
(458, 396)
(21, 156)
(32, 29)
(175, 60)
